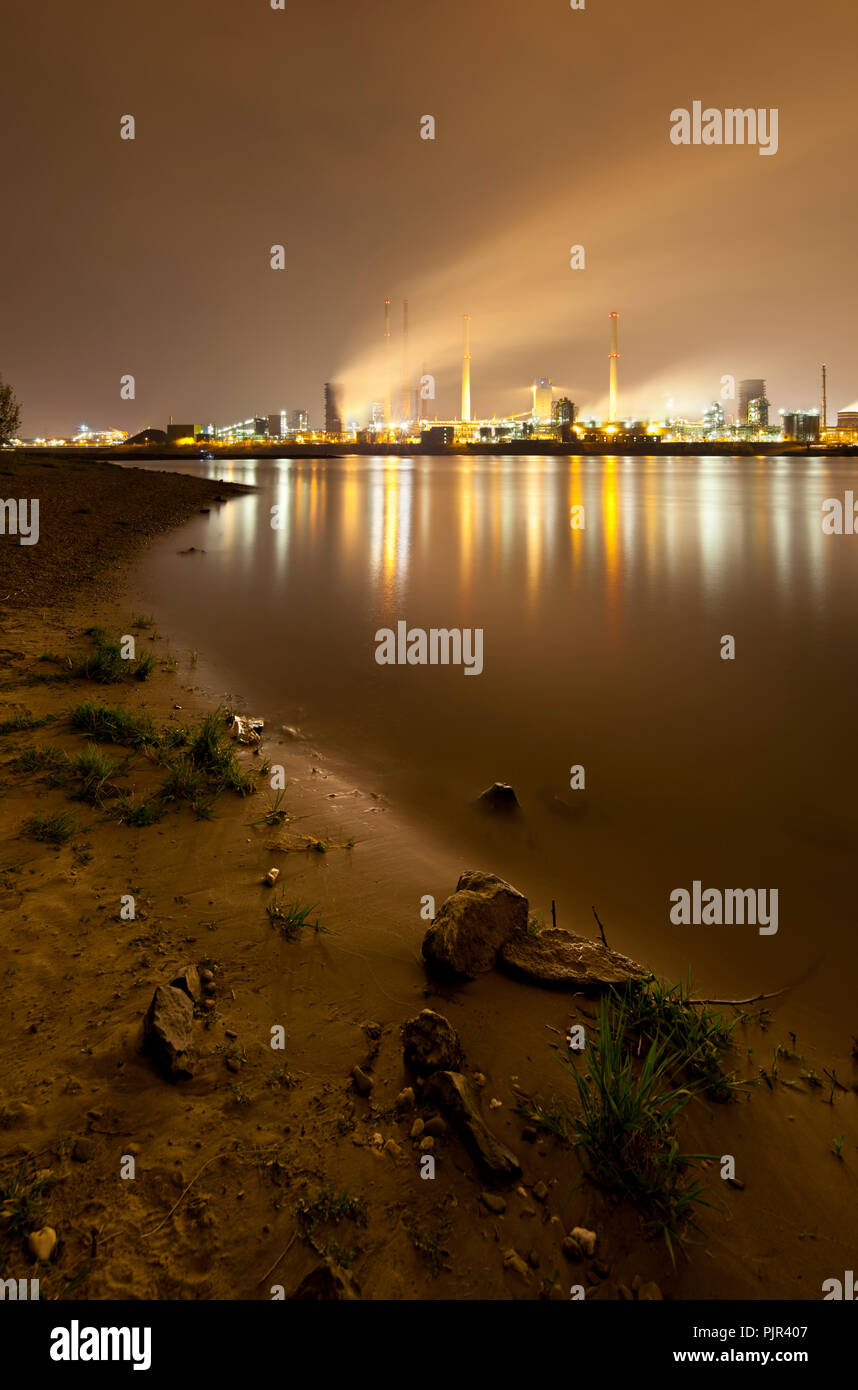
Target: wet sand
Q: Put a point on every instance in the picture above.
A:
(222, 1159)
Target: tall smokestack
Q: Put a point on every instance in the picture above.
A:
(466, 370)
(406, 385)
(612, 378)
(387, 364)
(824, 399)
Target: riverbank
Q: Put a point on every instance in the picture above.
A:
(267, 1153)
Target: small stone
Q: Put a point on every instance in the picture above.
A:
(526, 1213)
(363, 1083)
(233, 1064)
(42, 1242)
(572, 1250)
(417, 1128)
(650, 1293)
(479, 1079)
(522, 1192)
(272, 876)
(405, 1099)
(512, 1260)
(206, 976)
(533, 1259)
(427, 1143)
(210, 988)
(82, 1150)
(378, 1140)
(736, 1182)
(586, 1239)
(540, 1191)
(495, 1104)
(208, 1004)
(436, 1125)
(391, 1147)
(493, 1202)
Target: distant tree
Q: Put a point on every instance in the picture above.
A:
(10, 413)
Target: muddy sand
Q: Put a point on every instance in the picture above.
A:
(268, 1167)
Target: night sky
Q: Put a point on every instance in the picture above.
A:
(302, 127)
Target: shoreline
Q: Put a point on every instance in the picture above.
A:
(341, 999)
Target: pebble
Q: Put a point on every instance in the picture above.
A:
(572, 1250)
(495, 1104)
(405, 1099)
(493, 1202)
(586, 1239)
(378, 1139)
(210, 987)
(82, 1150)
(42, 1242)
(208, 1003)
(479, 1079)
(417, 1128)
(436, 1125)
(601, 1268)
(363, 1083)
(272, 876)
(533, 1259)
(736, 1182)
(512, 1260)
(233, 1064)
(540, 1191)
(206, 976)
(427, 1143)
(391, 1147)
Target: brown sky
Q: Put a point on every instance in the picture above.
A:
(301, 127)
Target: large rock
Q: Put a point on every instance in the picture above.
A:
(431, 1044)
(167, 1030)
(559, 960)
(454, 1094)
(473, 924)
(499, 798)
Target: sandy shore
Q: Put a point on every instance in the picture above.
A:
(231, 1167)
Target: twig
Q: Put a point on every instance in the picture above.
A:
(736, 1002)
(279, 1258)
(601, 929)
(147, 1234)
(553, 914)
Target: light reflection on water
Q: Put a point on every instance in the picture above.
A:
(601, 647)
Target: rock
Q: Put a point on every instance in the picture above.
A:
(499, 798)
(271, 877)
(454, 1094)
(417, 1128)
(586, 1240)
(327, 1282)
(82, 1150)
(378, 1140)
(473, 924)
(167, 1032)
(559, 960)
(363, 1083)
(572, 1250)
(540, 1191)
(206, 976)
(210, 988)
(478, 1079)
(495, 1104)
(233, 1064)
(431, 1044)
(533, 1259)
(42, 1243)
(188, 980)
(391, 1147)
(512, 1260)
(208, 1004)
(650, 1293)
(493, 1202)
(405, 1099)
(436, 1126)
(427, 1143)
(601, 1268)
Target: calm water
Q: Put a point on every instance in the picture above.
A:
(601, 648)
